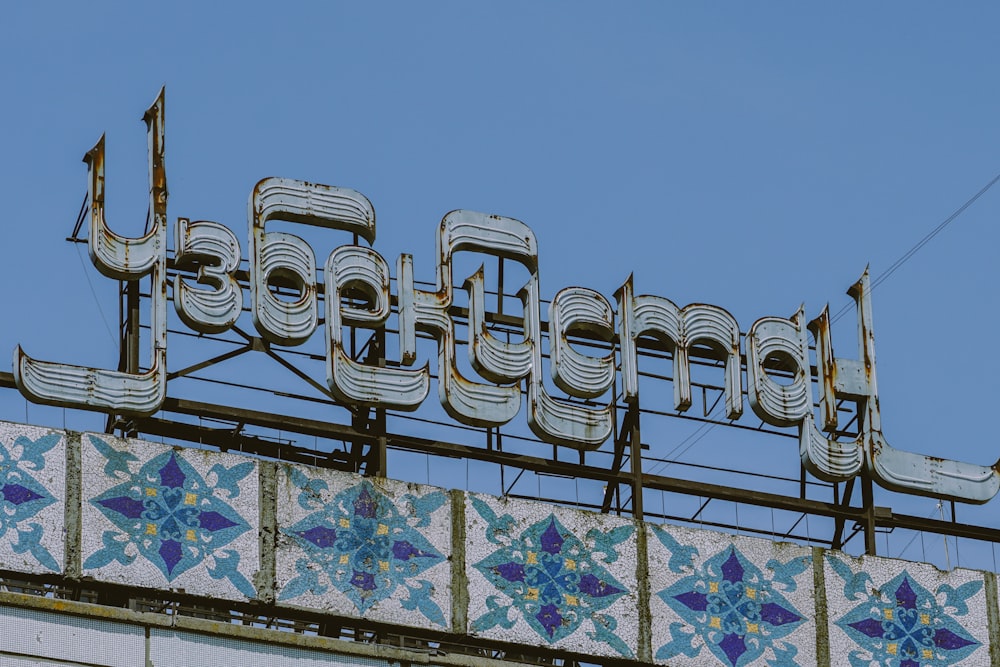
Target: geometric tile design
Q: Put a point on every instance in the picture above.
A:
(183, 516)
(380, 547)
(32, 498)
(747, 603)
(154, 516)
(547, 576)
(903, 622)
(550, 578)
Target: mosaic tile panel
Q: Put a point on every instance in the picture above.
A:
(902, 614)
(355, 546)
(161, 517)
(718, 599)
(32, 499)
(548, 576)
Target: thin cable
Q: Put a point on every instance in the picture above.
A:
(916, 534)
(96, 300)
(693, 438)
(920, 244)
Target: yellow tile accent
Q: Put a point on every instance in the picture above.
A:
(532, 594)
(151, 529)
(382, 529)
(891, 648)
(713, 587)
(190, 499)
(571, 600)
(344, 559)
(191, 536)
(715, 622)
(888, 614)
(753, 627)
(928, 654)
(344, 523)
(532, 558)
(383, 565)
(150, 491)
(925, 619)
(570, 564)
(752, 593)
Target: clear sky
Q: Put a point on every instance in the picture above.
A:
(753, 156)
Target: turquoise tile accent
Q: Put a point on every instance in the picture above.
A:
(32, 496)
(542, 580)
(186, 515)
(903, 623)
(378, 546)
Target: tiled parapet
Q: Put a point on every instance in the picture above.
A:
(548, 576)
(32, 499)
(891, 612)
(363, 547)
(161, 517)
(718, 599)
(293, 537)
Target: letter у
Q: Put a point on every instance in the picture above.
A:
(129, 259)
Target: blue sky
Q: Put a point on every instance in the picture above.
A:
(751, 156)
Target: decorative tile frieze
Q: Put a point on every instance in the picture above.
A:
(720, 599)
(164, 517)
(365, 547)
(904, 614)
(548, 576)
(32, 499)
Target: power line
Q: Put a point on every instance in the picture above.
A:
(920, 244)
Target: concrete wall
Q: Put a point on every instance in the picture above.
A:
(228, 527)
(41, 632)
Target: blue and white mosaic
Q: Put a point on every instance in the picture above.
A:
(549, 576)
(365, 547)
(156, 516)
(896, 614)
(32, 498)
(727, 600)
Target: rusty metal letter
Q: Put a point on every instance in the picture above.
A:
(552, 420)
(468, 402)
(827, 458)
(122, 258)
(577, 374)
(496, 360)
(677, 329)
(892, 468)
(288, 258)
(214, 249)
(784, 340)
(366, 273)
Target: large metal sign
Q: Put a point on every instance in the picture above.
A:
(356, 294)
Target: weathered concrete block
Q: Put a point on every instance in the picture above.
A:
(729, 600)
(162, 517)
(365, 547)
(884, 611)
(548, 576)
(32, 498)
(39, 638)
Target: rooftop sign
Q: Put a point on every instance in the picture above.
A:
(214, 301)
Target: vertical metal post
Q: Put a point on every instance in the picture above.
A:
(868, 503)
(378, 462)
(500, 285)
(635, 462)
(611, 491)
(132, 326)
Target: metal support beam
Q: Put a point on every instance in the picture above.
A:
(635, 462)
